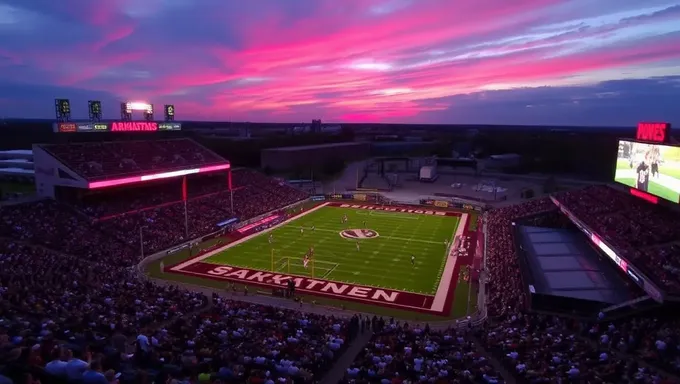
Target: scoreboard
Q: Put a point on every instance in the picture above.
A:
(116, 126)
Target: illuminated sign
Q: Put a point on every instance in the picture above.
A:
(134, 126)
(67, 127)
(117, 126)
(654, 132)
(258, 223)
(169, 126)
(139, 106)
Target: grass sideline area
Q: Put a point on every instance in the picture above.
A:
(383, 260)
(626, 175)
(372, 248)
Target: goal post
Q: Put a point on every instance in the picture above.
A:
(294, 266)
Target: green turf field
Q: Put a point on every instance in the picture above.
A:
(625, 175)
(381, 261)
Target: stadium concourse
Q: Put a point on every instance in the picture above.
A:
(74, 310)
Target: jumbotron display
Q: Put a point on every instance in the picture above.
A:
(650, 168)
(116, 126)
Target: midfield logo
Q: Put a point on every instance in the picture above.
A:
(357, 234)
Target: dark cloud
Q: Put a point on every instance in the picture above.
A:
(610, 103)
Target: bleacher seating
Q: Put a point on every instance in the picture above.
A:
(101, 160)
(400, 353)
(68, 293)
(645, 235)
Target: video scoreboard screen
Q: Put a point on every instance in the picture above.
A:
(649, 168)
(116, 126)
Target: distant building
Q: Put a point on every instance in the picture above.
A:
(17, 165)
(312, 156)
(505, 161)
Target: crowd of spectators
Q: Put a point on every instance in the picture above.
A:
(53, 225)
(70, 303)
(506, 293)
(130, 222)
(49, 299)
(551, 349)
(646, 235)
(548, 349)
(399, 353)
(99, 160)
(245, 343)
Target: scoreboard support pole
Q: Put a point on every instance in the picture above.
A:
(231, 190)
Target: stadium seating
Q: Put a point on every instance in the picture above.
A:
(402, 353)
(156, 213)
(66, 281)
(646, 235)
(541, 349)
(506, 294)
(98, 160)
(537, 348)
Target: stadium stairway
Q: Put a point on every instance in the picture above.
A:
(340, 367)
(507, 375)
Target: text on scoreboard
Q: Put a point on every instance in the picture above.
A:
(116, 126)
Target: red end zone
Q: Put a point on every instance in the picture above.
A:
(392, 208)
(333, 289)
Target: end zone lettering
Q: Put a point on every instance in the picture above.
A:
(131, 126)
(388, 209)
(307, 284)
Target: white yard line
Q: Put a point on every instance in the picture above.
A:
(212, 253)
(407, 239)
(441, 296)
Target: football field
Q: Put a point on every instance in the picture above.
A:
(395, 256)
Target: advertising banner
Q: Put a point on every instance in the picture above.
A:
(456, 205)
(319, 198)
(117, 126)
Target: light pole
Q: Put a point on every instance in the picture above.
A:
(141, 240)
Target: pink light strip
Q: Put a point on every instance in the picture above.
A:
(155, 176)
(214, 168)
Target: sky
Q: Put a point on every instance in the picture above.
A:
(539, 62)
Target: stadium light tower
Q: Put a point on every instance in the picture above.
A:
(63, 109)
(94, 108)
(126, 109)
(169, 112)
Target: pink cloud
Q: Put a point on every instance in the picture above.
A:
(353, 60)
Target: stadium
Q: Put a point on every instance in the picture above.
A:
(148, 246)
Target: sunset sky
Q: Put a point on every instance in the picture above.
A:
(558, 62)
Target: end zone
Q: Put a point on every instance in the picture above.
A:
(438, 304)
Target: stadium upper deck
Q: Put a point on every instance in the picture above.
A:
(105, 160)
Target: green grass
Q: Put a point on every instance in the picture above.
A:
(464, 300)
(652, 188)
(383, 261)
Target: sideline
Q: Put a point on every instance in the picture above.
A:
(212, 253)
(442, 295)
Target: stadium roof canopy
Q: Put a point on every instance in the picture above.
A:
(94, 165)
